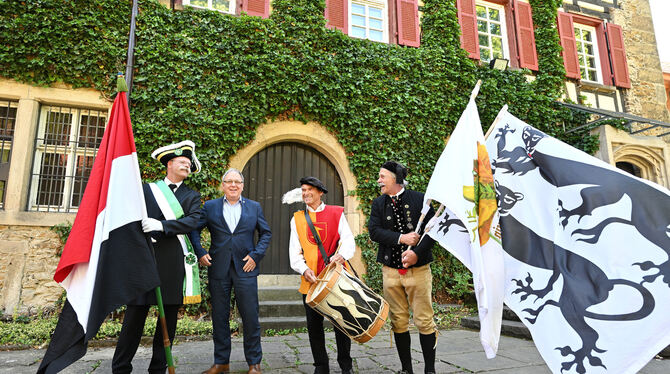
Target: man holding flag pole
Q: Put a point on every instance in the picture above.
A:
(106, 240)
(174, 211)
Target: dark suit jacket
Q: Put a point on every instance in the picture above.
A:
(167, 249)
(382, 230)
(230, 246)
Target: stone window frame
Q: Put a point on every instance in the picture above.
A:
(49, 190)
(6, 142)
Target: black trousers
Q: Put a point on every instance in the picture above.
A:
(131, 334)
(317, 341)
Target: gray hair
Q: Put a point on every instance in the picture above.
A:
(232, 170)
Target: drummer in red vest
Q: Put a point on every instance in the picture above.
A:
(307, 259)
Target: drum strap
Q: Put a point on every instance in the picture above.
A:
(317, 239)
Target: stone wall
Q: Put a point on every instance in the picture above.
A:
(646, 97)
(28, 259)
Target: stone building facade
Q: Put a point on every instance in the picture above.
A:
(29, 248)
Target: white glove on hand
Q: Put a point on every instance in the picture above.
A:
(151, 224)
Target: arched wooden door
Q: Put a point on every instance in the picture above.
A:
(272, 172)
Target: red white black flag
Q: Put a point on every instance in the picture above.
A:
(107, 260)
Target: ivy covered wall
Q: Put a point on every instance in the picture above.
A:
(213, 78)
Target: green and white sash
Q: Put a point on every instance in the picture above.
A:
(171, 209)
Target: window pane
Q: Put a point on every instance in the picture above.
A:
(582, 73)
(485, 54)
(358, 9)
(357, 32)
(481, 26)
(375, 12)
(495, 29)
(201, 3)
(496, 44)
(593, 76)
(592, 62)
(358, 20)
(376, 24)
(494, 14)
(7, 120)
(51, 179)
(578, 33)
(91, 129)
(481, 11)
(589, 49)
(82, 172)
(586, 35)
(580, 47)
(376, 35)
(222, 5)
(483, 40)
(57, 130)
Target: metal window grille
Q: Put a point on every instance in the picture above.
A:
(7, 125)
(65, 147)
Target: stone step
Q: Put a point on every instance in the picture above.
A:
(276, 293)
(281, 308)
(508, 314)
(509, 328)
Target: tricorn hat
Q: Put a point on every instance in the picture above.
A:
(397, 169)
(315, 182)
(185, 149)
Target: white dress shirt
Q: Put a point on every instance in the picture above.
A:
(232, 213)
(169, 182)
(347, 248)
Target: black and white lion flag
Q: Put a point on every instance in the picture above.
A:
(107, 260)
(587, 251)
(462, 182)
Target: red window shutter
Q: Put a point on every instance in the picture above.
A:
(409, 33)
(566, 32)
(337, 15)
(523, 17)
(467, 17)
(256, 7)
(618, 56)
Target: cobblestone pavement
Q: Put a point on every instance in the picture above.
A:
(458, 351)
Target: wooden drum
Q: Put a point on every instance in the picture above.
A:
(348, 303)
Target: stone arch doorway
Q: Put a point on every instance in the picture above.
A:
(275, 170)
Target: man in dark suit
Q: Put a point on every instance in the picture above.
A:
(233, 260)
(165, 226)
(407, 279)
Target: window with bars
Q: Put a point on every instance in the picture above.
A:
(65, 147)
(587, 52)
(368, 20)
(224, 6)
(492, 31)
(7, 125)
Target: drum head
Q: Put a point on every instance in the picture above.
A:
(324, 283)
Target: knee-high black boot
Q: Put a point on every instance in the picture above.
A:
(403, 344)
(428, 349)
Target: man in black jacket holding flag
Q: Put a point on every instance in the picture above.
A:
(173, 210)
(407, 279)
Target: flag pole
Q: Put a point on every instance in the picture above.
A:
(121, 85)
(424, 211)
(503, 110)
(130, 56)
(166, 336)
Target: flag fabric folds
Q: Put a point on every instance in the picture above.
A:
(107, 260)
(586, 250)
(463, 182)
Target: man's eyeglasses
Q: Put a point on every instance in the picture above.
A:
(228, 181)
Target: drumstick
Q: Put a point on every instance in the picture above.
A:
(424, 211)
(429, 226)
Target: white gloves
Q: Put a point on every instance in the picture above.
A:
(151, 224)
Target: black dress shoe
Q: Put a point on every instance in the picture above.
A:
(348, 371)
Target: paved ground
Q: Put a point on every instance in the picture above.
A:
(458, 351)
